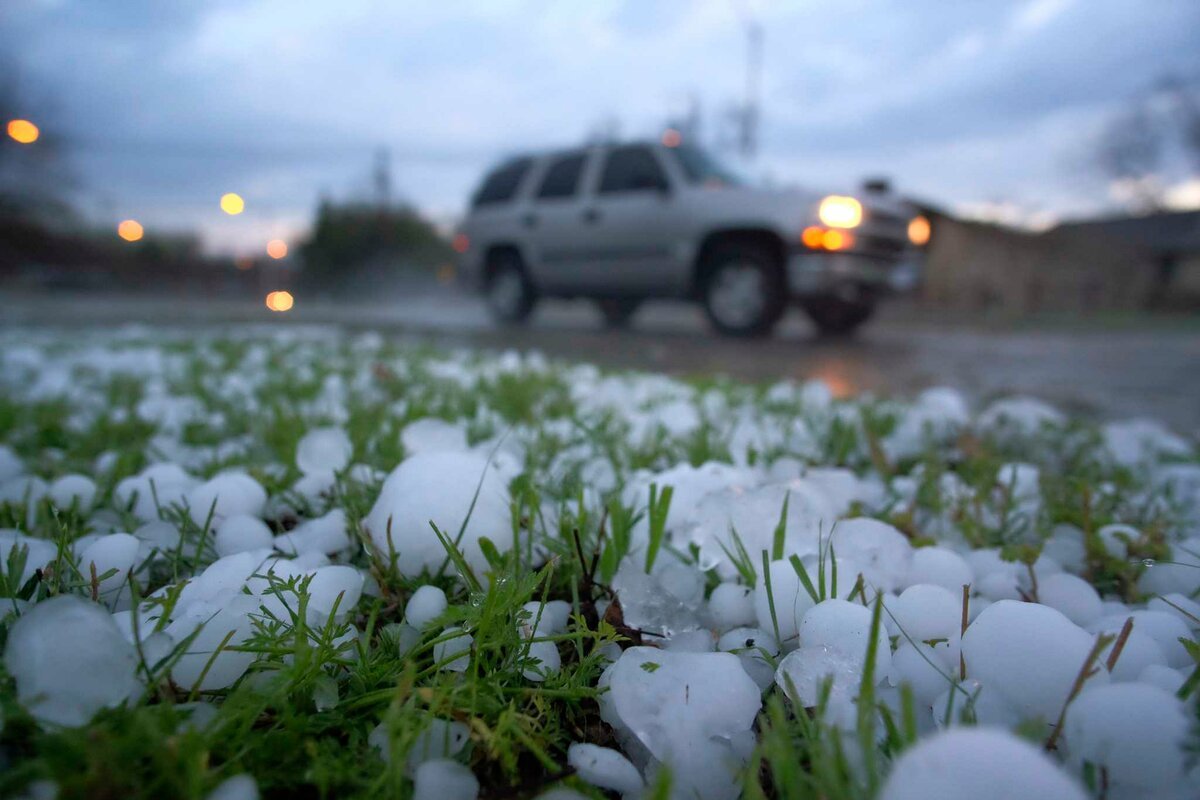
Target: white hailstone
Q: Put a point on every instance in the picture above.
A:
(1182, 576)
(816, 395)
(224, 495)
(604, 767)
(323, 450)
(1074, 597)
(941, 567)
(27, 490)
(443, 779)
(647, 605)
(10, 464)
(241, 532)
(1162, 676)
(73, 490)
(754, 647)
(315, 486)
(803, 672)
(157, 486)
(323, 535)
(1030, 653)
(544, 661)
(754, 514)
(1018, 418)
(979, 763)
(219, 628)
(432, 435)
(116, 551)
(335, 585)
(157, 536)
(698, 641)
(986, 707)
(439, 739)
(546, 620)
(787, 597)
(426, 604)
(845, 626)
(1066, 546)
(38, 552)
(926, 611)
(225, 578)
(1185, 608)
(1135, 442)
(440, 487)
(1134, 731)
(454, 653)
(684, 708)
(69, 660)
(1116, 539)
(1164, 628)
(924, 668)
(731, 605)
(879, 549)
(239, 787)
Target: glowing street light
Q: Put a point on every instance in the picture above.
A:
(23, 131)
(277, 249)
(280, 301)
(130, 230)
(232, 204)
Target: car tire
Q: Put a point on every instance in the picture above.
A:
(744, 291)
(836, 316)
(617, 311)
(508, 291)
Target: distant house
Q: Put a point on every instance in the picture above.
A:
(1119, 264)
(1172, 242)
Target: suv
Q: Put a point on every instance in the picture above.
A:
(622, 223)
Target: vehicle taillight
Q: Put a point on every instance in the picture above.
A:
(460, 243)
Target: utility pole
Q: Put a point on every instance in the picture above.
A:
(748, 138)
(382, 178)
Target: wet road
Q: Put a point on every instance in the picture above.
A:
(1134, 370)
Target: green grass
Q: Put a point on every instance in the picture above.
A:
(301, 720)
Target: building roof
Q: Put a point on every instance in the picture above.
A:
(1174, 232)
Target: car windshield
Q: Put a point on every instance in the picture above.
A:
(704, 170)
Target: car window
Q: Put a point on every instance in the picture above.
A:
(630, 169)
(562, 177)
(501, 185)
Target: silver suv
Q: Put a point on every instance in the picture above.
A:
(623, 223)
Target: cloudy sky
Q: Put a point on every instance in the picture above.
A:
(977, 104)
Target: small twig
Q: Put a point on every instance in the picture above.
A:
(1122, 637)
(966, 612)
(1086, 671)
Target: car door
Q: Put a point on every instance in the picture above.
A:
(554, 223)
(629, 224)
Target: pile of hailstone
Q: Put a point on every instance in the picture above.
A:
(1020, 586)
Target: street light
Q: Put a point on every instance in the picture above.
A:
(23, 131)
(130, 230)
(232, 204)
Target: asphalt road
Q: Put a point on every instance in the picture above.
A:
(1141, 369)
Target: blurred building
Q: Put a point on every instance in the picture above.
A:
(1114, 264)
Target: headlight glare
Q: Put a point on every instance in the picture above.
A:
(838, 211)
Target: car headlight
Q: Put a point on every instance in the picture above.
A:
(918, 231)
(837, 211)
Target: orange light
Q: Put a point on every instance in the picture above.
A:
(23, 131)
(280, 301)
(277, 249)
(460, 243)
(130, 230)
(837, 240)
(232, 204)
(672, 138)
(813, 237)
(445, 274)
(919, 230)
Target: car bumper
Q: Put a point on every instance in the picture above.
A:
(813, 273)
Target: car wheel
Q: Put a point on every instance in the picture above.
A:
(617, 311)
(509, 294)
(835, 316)
(744, 291)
